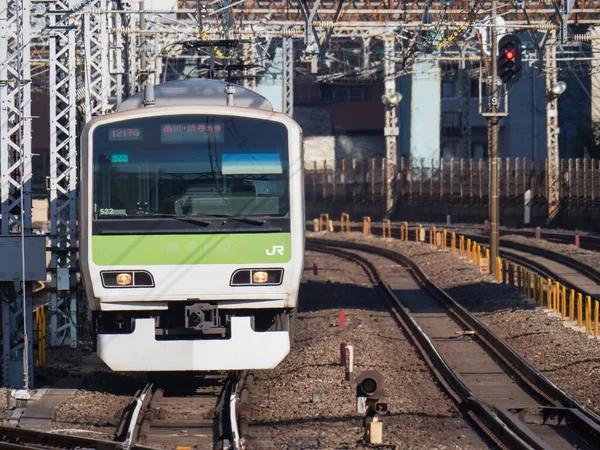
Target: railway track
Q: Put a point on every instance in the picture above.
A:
(566, 270)
(207, 411)
(502, 393)
(587, 242)
(196, 411)
(20, 438)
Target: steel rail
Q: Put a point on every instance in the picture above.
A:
(138, 417)
(22, 438)
(584, 269)
(486, 419)
(579, 415)
(133, 427)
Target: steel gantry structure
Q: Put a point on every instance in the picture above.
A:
(19, 249)
(63, 176)
(101, 51)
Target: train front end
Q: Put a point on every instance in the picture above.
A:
(192, 240)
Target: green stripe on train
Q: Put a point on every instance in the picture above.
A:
(191, 249)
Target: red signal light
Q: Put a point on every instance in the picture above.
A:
(510, 54)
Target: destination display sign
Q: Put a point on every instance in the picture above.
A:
(191, 133)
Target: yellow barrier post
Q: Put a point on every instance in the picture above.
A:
(468, 249)
(40, 322)
(453, 243)
(406, 228)
(588, 314)
(596, 308)
(499, 269)
(387, 228)
(549, 294)
(461, 243)
(321, 217)
(345, 220)
(445, 240)
(579, 310)
(43, 335)
(572, 305)
(366, 225)
(556, 297)
(37, 328)
(402, 231)
(563, 312)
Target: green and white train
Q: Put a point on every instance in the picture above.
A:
(192, 229)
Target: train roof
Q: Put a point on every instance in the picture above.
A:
(197, 92)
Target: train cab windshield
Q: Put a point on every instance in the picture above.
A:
(190, 166)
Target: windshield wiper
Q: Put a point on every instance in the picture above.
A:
(240, 219)
(182, 218)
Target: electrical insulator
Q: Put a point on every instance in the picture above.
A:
(581, 37)
(546, 26)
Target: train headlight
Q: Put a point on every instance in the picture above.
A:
(124, 279)
(260, 277)
(256, 277)
(127, 279)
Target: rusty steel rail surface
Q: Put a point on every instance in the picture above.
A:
(22, 438)
(196, 411)
(477, 368)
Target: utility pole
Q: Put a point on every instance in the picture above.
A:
(493, 124)
(391, 131)
(552, 130)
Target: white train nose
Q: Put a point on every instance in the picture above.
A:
(246, 349)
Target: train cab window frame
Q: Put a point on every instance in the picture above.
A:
(240, 168)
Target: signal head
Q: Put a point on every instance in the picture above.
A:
(509, 58)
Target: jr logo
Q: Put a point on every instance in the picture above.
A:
(277, 249)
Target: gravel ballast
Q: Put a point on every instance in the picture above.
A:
(284, 413)
(566, 356)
